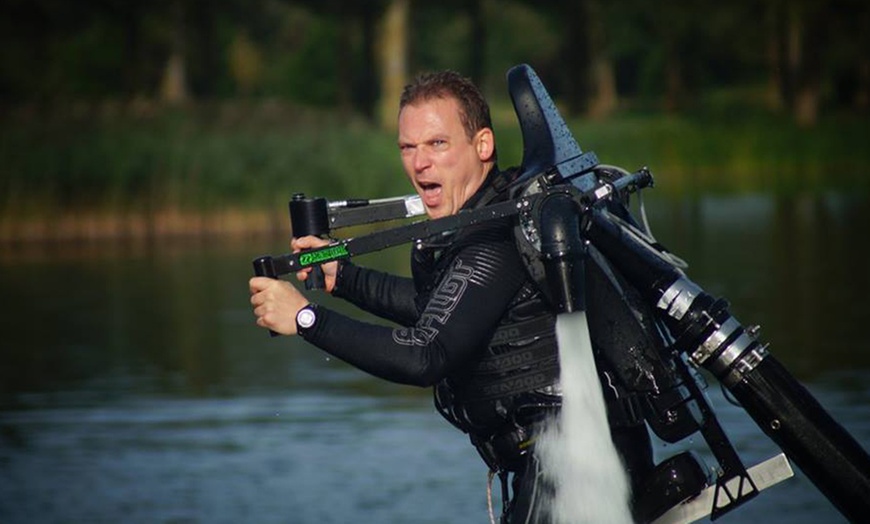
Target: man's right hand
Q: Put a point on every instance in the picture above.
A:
(275, 304)
(329, 269)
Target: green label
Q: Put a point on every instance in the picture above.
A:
(323, 255)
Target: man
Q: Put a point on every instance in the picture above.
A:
(470, 308)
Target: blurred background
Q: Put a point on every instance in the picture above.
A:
(147, 154)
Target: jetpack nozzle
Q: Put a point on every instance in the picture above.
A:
(563, 250)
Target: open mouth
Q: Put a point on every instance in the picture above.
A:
(431, 193)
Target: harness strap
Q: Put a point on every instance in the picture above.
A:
(542, 376)
(524, 330)
(519, 358)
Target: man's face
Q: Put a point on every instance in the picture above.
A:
(444, 166)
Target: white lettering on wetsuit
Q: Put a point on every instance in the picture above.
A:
(441, 304)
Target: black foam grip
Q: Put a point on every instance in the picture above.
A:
(263, 267)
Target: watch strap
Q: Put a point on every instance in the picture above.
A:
(306, 318)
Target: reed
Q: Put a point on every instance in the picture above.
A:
(98, 165)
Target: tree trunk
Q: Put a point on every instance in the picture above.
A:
(797, 42)
(478, 40)
(173, 88)
(603, 98)
(368, 82)
(776, 46)
(246, 64)
(809, 28)
(394, 59)
(862, 94)
(862, 66)
(671, 28)
(132, 76)
(577, 71)
(206, 58)
(673, 79)
(344, 62)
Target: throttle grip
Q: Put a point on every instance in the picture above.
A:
(263, 267)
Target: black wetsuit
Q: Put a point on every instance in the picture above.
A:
(474, 325)
(446, 324)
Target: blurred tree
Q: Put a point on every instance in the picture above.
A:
(807, 36)
(207, 67)
(676, 45)
(521, 31)
(574, 71)
(848, 55)
(246, 63)
(478, 14)
(861, 97)
(603, 96)
(796, 61)
(669, 54)
(482, 39)
(448, 35)
(53, 49)
(816, 49)
(367, 86)
(173, 87)
(393, 58)
(335, 41)
(586, 77)
(814, 54)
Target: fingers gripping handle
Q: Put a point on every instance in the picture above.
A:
(316, 279)
(263, 267)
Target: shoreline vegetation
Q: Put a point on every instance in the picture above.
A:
(73, 226)
(111, 171)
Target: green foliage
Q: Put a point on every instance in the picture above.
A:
(302, 58)
(239, 156)
(323, 53)
(753, 153)
(518, 33)
(255, 156)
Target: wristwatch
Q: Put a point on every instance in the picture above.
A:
(306, 317)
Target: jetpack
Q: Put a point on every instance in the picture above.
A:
(569, 207)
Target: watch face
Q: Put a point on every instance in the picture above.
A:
(305, 318)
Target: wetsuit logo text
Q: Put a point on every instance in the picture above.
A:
(441, 304)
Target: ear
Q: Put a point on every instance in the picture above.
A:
(484, 141)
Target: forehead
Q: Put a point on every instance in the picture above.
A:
(434, 115)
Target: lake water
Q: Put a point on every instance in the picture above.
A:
(134, 386)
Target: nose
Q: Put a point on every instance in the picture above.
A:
(421, 160)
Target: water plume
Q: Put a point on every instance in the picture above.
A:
(577, 454)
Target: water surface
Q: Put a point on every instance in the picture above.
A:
(134, 386)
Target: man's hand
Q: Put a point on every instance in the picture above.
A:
(276, 303)
(329, 269)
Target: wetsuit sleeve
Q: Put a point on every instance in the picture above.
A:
(454, 327)
(388, 296)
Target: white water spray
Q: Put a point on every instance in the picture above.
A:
(576, 451)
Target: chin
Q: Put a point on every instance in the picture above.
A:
(437, 213)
